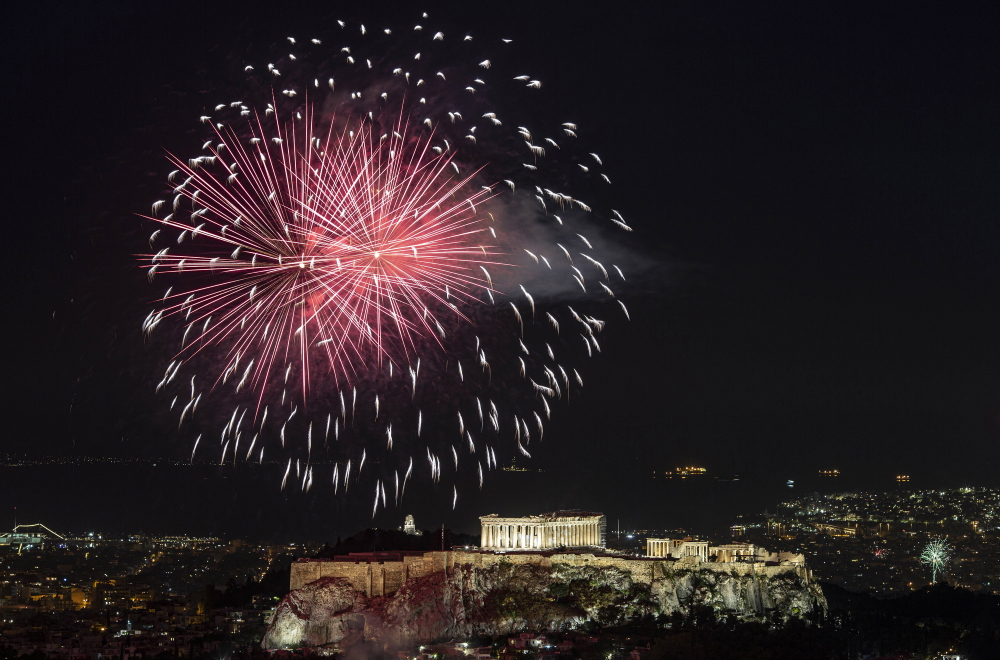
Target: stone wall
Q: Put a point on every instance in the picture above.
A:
(372, 576)
(375, 576)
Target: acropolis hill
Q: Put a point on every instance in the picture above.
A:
(401, 598)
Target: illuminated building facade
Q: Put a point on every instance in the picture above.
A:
(559, 529)
(677, 548)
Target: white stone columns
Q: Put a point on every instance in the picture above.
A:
(541, 532)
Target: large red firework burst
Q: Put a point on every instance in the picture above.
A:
(348, 246)
(334, 235)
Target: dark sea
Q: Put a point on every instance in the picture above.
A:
(246, 501)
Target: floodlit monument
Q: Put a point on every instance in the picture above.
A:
(548, 531)
(410, 527)
(720, 554)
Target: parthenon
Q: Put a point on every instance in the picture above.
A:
(559, 529)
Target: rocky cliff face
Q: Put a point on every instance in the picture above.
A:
(505, 599)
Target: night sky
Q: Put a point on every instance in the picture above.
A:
(815, 194)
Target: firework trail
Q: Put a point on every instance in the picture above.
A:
(365, 258)
(937, 555)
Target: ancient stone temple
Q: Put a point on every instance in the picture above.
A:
(677, 548)
(548, 531)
